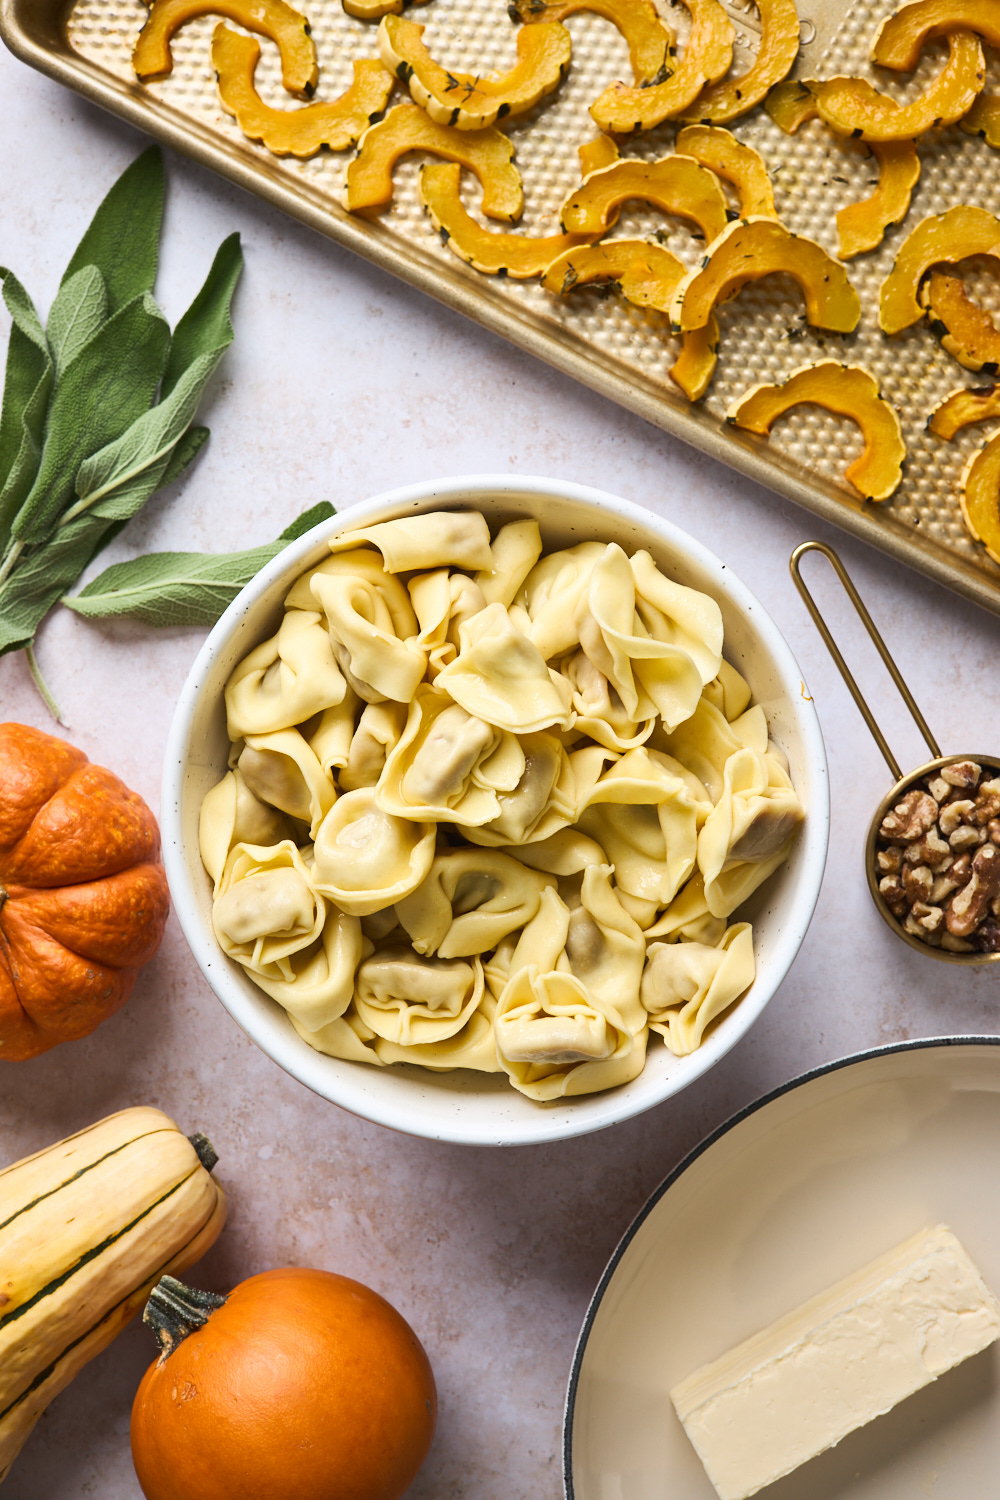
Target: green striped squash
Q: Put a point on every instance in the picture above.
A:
(87, 1227)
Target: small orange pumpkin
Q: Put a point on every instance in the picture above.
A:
(300, 1385)
(83, 895)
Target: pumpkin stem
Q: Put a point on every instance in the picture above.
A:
(207, 1154)
(175, 1310)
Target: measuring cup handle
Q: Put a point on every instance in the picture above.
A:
(845, 671)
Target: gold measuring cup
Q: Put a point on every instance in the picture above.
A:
(903, 784)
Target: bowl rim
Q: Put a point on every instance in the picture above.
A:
(455, 1126)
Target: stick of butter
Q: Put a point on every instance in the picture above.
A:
(846, 1356)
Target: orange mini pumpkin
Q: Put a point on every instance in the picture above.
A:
(300, 1385)
(83, 895)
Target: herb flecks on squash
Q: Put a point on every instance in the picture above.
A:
(488, 153)
(963, 408)
(980, 496)
(650, 40)
(723, 154)
(791, 103)
(647, 276)
(729, 98)
(622, 108)
(152, 57)
(850, 106)
(900, 39)
(467, 101)
(963, 230)
(299, 132)
(846, 391)
(862, 226)
(676, 184)
(965, 329)
(750, 249)
(495, 254)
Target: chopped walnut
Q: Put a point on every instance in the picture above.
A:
(890, 861)
(893, 895)
(964, 774)
(914, 816)
(954, 814)
(939, 789)
(931, 850)
(965, 837)
(917, 882)
(929, 917)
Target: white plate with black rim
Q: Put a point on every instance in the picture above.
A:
(792, 1194)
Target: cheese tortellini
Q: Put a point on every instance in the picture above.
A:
(493, 807)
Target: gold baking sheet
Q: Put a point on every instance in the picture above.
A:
(619, 350)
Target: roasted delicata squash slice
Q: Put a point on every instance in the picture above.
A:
(622, 109)
(983, 120)
(791, 103)
(980, 496)
(965, 329)
(676, 184)
(750, 249)
(602, 151)
(723, 154)
(862, 226)
(650, 40)
(152, 57)
(963, 408)
(900, 39)
(374, 10)
(850, 106)
(472, 102)
(295, 132)
(516, 255)
(488, 153)
(730, 98)
(647, 276)
(963, 230)
(847, 391)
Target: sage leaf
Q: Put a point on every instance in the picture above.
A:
(110, 383)
(123, 240)
(206, 326)
(183, 588)
(104, 481)
(184, 452)
(27, 385)
(42, 577)
(81, 306)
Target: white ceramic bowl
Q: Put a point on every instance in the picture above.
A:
(475, 1108)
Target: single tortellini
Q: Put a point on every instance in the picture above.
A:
(541, 802)
(266, 909)
(231, 814)
(687, 985)
(449, 765)
(749, 831)
(346, 1037)
(471, 899)
(412, 1000)
(705, 742)
(501, 677)
(321, 986)
(442, 602)
(679, 616)
(600, 711)
(283, 770)
(515, 548)
(554, 1038)
(551, 593)
(441, 538)
(371, 624)
(365, 859)
(474, 1046)
(377, 732)
(286, 680)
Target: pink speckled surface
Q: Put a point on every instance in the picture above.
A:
(342, 383)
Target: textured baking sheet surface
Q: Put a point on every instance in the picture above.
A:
(764, 332)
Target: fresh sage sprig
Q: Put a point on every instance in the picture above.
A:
(97, 416)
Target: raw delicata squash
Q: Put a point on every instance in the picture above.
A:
(495, 254)
(471, 102)
(488, 153)
(963, 408)
(622, 109)
(729, 98)
(850, 106)
(980, 496)
(676, 184)
(966, 330)
(87, 1227)
(299, 132)
(288, 28)
(753, 248)
(847, 391)
(723, 154)
(962, 231)
(862, 226)
(650, 40)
